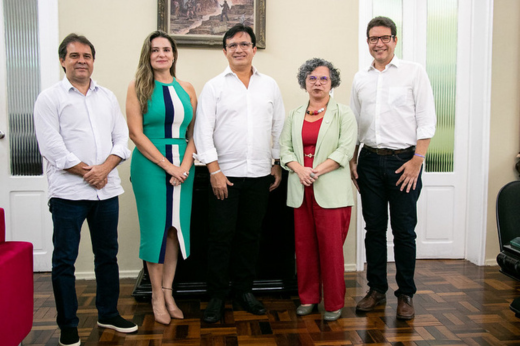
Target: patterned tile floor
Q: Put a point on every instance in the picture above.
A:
(457, 303)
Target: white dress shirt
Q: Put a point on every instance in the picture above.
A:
(394, 107)
(73, 128)
(239, 126)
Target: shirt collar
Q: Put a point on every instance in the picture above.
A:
(229, 71)
(395, 62)
(67, 85)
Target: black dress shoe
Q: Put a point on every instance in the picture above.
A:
(250, 304)
(214, 310)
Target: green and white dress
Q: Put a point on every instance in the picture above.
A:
(161, 205)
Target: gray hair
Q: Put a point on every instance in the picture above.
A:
(310, 65)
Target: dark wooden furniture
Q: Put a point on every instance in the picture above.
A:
(276, 269)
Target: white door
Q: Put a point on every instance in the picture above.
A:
(24, 197)
(443, 204)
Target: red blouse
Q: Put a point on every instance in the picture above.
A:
(310, 132)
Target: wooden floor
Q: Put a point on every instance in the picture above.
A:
(457, 303)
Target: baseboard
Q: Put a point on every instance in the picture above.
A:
(350, 267)
(491, 262)
(123, 274)
(132, 274)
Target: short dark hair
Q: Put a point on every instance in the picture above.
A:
(312, 64)
(235, 30)
(62, 50)
(382, 21)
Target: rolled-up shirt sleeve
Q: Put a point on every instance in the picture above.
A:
(424, 106)
(205, 126)
(278, 121)
(46, 126)
(355, 105)
(119, 133)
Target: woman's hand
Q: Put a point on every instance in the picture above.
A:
(185, 170)
(185, 173)
(325, 167)
(178, 174)
(307, 175)
(174, 181)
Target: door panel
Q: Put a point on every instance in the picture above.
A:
(436, 233)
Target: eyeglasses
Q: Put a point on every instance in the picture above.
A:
(314, 79)
(384, 39)
(243, 45)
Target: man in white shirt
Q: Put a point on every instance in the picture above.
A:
(82, 136)
(393, 103)
(240, 117)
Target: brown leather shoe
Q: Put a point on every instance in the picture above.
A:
(405, 310)
(371, 300)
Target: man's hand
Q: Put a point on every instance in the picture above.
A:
(77, 169)
(411, 170)
(276, 171)
(96, 175)
(353, 173)
(101, 184)
(219, 184)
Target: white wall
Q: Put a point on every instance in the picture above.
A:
(296, 30)
(505, 106)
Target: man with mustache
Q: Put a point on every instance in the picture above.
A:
(82, 136)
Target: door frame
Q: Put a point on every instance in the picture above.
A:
(48, 35)
(48, 27)
(478, 17)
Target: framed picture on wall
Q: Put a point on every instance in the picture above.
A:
(204, 22)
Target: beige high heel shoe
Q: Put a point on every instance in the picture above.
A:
(159, 311)
(172, 308)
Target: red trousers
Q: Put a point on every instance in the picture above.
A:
(319, 237)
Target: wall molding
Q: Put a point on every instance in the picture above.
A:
(123, 274)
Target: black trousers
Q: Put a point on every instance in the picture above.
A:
(234, 235)
(377, 184)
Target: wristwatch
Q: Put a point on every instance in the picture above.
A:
(276, 163)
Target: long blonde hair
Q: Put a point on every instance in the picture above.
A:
(144, 79)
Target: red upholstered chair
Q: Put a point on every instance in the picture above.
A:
(16, 288)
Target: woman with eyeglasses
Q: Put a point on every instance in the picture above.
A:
(160, 114)
(316, 145)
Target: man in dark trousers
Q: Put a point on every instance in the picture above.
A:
(240, 117)
(393, 103)
(82, 136)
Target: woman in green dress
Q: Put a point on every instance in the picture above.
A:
(160, 114)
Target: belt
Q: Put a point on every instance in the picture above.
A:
(384, 151)
(309, 155)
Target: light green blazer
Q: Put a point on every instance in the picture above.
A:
(336, 141)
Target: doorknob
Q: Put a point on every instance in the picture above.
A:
(2, 135)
